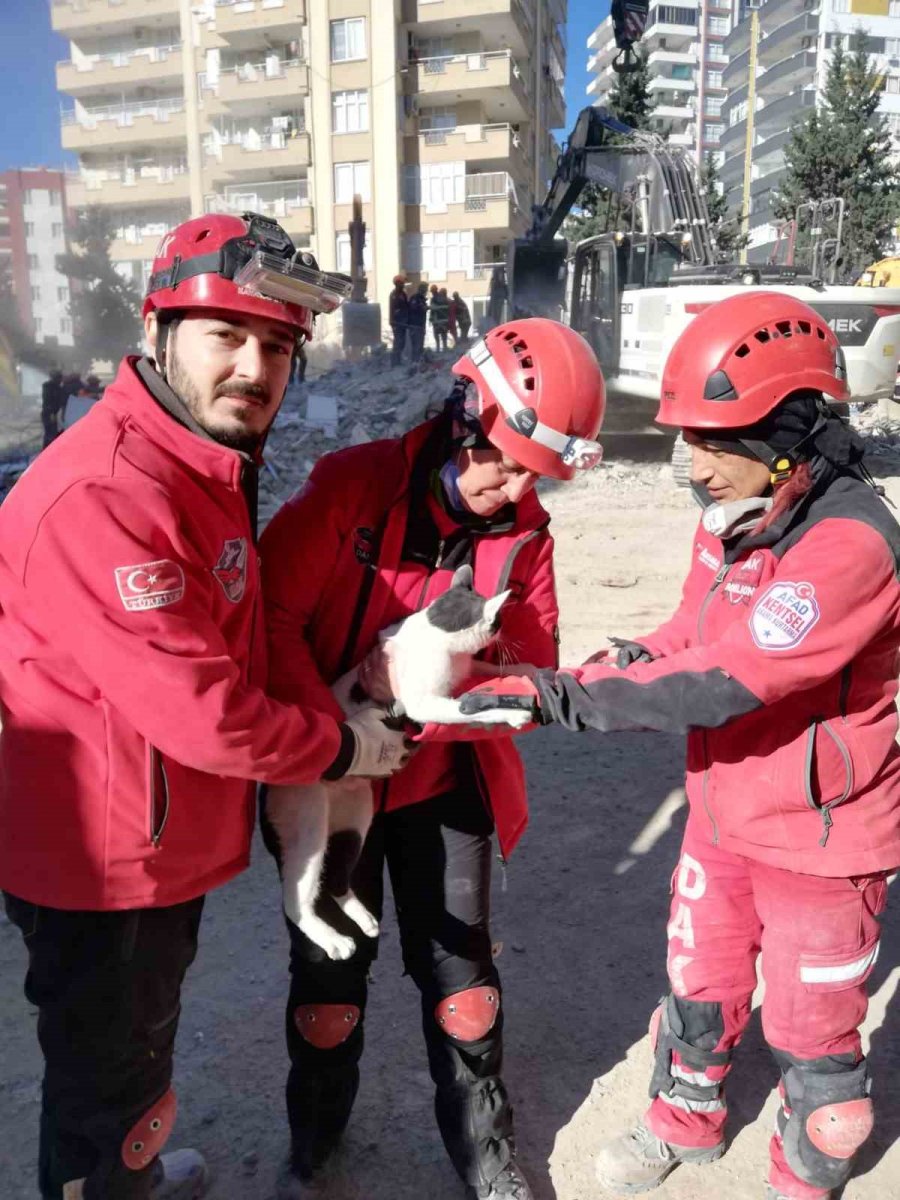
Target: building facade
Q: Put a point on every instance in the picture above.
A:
(794, 42)
(437, 112)
(683, 42)
(32, 235)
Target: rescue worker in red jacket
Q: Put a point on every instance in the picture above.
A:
(341, 563)
(132, 676)
(781, 665)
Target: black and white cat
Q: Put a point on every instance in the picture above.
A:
(431, 653)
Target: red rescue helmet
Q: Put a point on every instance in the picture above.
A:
(541, 395)
(740, 358)
(203, 263)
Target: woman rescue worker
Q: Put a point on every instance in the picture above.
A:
(781, 665)
(375, 535)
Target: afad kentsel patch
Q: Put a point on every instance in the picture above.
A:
(150, 585)
(784, 615)
(231, 569)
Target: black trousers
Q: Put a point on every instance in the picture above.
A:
(438, 854)
(107, 988)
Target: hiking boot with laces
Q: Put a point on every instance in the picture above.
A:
(639, 1161)
(510, 1184)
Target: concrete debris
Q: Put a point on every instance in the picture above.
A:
(347, 404)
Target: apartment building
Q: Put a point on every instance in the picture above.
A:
(32, 234)
(683, 42)
(437, 112)
(793, 47)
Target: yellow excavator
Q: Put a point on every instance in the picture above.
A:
(885, 273)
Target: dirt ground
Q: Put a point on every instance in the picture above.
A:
(580, 916)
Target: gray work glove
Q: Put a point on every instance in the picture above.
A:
(382, 744)
(630, 652)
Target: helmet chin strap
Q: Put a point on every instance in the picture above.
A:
(164, 325)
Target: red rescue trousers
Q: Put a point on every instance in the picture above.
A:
(818, 937)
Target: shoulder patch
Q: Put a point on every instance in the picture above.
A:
(150, 585)
(784, 615)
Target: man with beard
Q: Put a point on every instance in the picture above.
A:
(132, 673)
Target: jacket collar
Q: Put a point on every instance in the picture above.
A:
(130, 398)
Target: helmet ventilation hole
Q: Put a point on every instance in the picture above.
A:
(529, 383)
(804, 326)
(784, 328)
(204, 233)
(762, 335)
(821, 333)
(742, 351)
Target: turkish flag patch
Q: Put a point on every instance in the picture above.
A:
(150, 585)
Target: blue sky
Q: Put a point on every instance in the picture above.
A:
(29, 102)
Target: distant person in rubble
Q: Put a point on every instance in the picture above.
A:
(53, 399)
(398, 316)
(81, 401)
(460, 319)
(299, 363)
(135, 719)
(781, 666)
(418, 319)
(339, 564)
(440, 316)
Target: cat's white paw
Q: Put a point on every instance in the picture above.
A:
(337, 946)
(358, 913)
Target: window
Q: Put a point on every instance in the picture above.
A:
(712, 133)
(351, 179)
(62, 295)
(29, 228)
(715, 52)
(738, 113)
(714, 79)
(682, 71)
(669, 14)
(717, 25)
(840, 6)
(435, 253)
(32, 262)
(35, 293)
(892, 84)
(28, 196)
(54, 197)
(892, 47)
(894, 8)
(350, 112)
(342, 253)
(712, 105)
(348, 39)
(437, 118)
(435, 184)
(57, 229)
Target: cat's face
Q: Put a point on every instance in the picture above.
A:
(467, 619)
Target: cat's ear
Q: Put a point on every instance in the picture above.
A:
(463, 577)
(493, 606)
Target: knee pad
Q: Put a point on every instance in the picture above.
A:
(470, 1015)
(684, 1026)
(825, 1117)
(326, 1025)
(150, 1133)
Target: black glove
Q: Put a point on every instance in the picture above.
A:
(630, 652)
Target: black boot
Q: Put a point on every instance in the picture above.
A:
(510, 1184)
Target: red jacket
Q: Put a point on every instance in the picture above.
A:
(332, 568)
(131, 662)
(782, 663)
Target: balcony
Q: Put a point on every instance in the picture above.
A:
(468, 143)
(799, 34)
(124, 125)
(737, 70)
(738, 41)
(768, 153)
(510, 21)
(664, 58)
(256, 86)
(731, 172)
(250, 22)
(485, 201)
(673, 112)
(285, 200)
(780, 114)
(775, 13)
(139, 237)
(678, 37)
(104, 16)
(272, 152)
(113, 72)
(684, 139)
(665, 83)
(786, 76)
(479, 77)
(121, 187)
(734, 137)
